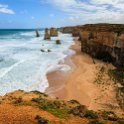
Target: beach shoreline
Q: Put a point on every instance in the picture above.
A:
(58, 78)
(79, 83)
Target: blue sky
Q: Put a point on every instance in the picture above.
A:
(47, 13)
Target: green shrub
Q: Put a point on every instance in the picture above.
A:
(96, 122)
(73, 102)
(41, 120)
(117, 75)
(109, 116)
(53, 107)
(82, 111)
(18, 100)
(61, 113)
(78, 110)
(91, 114)
(39, 93)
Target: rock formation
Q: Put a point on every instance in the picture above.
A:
(53, 32)
(58, 42)
(102, 41)
(37, 33)
(47, 34)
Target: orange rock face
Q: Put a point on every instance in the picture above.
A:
(104, 41)
(47, 34)
(53, 32)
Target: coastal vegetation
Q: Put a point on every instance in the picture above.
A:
(117, 75)
(41, 120)
(61, 110)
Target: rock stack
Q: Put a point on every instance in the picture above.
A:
(47, 34)
(37, 33)
(53, 32)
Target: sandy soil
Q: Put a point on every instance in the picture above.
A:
(11, 113)
(85, 82)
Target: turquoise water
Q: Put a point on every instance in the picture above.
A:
(23, 65)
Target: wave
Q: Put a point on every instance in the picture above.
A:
(28, 72)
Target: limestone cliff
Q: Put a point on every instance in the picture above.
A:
(47, 34)
(102, 41)
(53, 32)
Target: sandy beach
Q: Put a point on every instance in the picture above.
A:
(81, 82)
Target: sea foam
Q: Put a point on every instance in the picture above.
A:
(23, 65)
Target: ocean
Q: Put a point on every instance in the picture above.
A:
(22, 64)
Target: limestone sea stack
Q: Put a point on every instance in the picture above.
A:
(37, 33)
(53, 32)
(47, 34)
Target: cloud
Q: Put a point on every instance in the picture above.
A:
(91, 11)
(5, 9)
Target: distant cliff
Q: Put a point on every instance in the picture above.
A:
(102, 41)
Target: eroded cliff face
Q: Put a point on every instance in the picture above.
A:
(53, 32)
(102, 41)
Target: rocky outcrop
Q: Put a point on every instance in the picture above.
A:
(53, 32)
(102, 41)
(66, 29)
(34, 107)
(37, 34)
(47, 34)
(58, 42)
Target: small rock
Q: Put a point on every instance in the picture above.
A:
(49, 50)
(58, 42)
(42, 50)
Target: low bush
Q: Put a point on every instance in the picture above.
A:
(96, 122)
(73, 102)
(82, 111)
(117, 75)
(91, 114)
(18, 100)
(53, 107)
(109, 116)
(41, 120)
(39, 93)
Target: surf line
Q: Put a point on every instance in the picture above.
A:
(11, 67)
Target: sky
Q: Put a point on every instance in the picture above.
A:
(49, 13)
